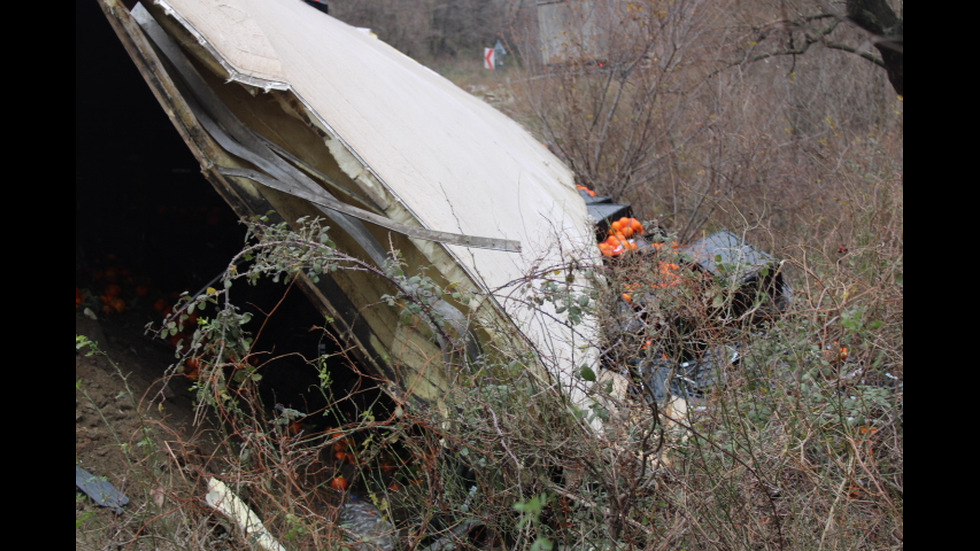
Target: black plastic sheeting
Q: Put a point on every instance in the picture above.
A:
(603, 210)
(690, 379)
(748, 273)
(746, 270)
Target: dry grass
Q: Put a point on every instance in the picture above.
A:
(800, 448)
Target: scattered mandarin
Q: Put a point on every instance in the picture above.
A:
(339, 483)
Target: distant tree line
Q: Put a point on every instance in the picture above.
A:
(425, 29)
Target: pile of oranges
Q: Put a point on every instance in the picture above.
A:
(621, 237)
(109, 288)
(668, 275)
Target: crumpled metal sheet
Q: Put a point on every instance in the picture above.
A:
(425, 152)
(369, 529)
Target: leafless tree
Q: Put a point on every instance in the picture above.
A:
(831, 24)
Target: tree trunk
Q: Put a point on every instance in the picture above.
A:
(878, 18)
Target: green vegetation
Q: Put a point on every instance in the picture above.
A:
(799, 445)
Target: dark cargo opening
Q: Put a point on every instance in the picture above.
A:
(149, 226)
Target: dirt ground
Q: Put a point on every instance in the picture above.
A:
(136, 426)
(118, 393)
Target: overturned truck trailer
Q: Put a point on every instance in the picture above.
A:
(291, 111)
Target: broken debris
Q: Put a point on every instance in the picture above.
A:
(100, 490)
